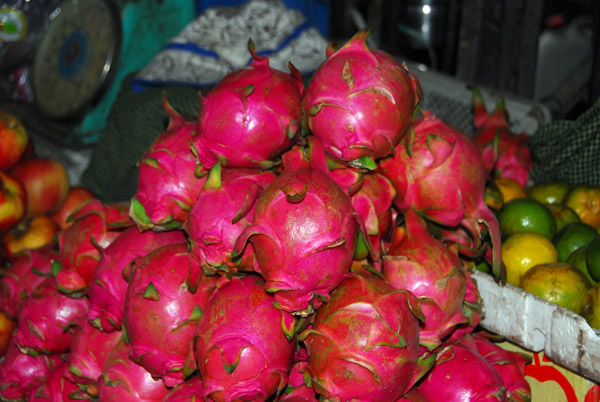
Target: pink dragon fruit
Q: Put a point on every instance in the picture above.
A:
(304, 233)
(88, 353)
(108, 287)
(170, 176)
(414, 395)
(46, 322)
(24, 274)
(95, 226)
(505, 156)
(296, 390)
(423, 265)
(373, 202)
(57, 388)
(213, 231)
(21, 374)
(189, 391)
(360, 102)
(251, 116)
(165, 299)
(364, 344)
(462, 374)
(123, 380)
(439, 172)
(244, 344)
(509, 365)
(472, 307)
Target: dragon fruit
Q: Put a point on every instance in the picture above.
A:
(462, 374)
(364, 344)
(213, 231)
(57, 388)
(46, 322)
(95, 226)
(123, 380)
(244, 344)
(418, 262)
(296, 390)
(24, 274)
(472, 307)
(251, 116)
(170, 176)
(21, 374)
(439, 172)
(108, 287)
(509, 365)
(87, 356)
(507, 155)
(165, 299)
(373, 202)
(189, 391)
(360, 102)
(304, 232)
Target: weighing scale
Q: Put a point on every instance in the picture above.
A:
(86, 50)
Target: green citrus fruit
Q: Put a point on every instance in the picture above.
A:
(563, 215)
(571, 237)
(592, 258)
(526, 215)
(559, 283)
(549, 193)
(591, 306)
(521, 251)
(578, 260)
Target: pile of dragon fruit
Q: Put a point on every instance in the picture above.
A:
(292, 242)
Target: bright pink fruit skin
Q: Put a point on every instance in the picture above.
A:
(251, 116)
(423, 265)
(296, 390)
(123, 380)
(169, 177)
(364, 343)
(108, 287)
(244, 344)
(25, 273)
(88, 354)
(189, 391)
(360, 102)
(303, 235)
(21, 374)
(45, 323)
(165, 298)
(438, 171)
(462, 374)
(472, 309)
(213, 231)
(57, 388)
(509, 365)
(95, 226)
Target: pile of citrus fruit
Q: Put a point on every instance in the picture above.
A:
(551, 241)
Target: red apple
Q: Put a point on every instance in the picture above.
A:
(13, 140)
(75, 197)
(7, 327)
(12, 201)
(46, 183)
(31, 233)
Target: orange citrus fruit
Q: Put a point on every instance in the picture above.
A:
(585, 201)
(523, 250)
(509, 188)
(591, 306)
(549, 193)
(571, 237)
(526, 215)
(493, 197)
(563, 215)
(559, 283)
(592, 258)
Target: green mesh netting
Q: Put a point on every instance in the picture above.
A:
(134, 122)
(568, 150)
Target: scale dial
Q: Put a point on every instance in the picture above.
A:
(76, 57)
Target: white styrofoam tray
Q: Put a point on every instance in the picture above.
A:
(537, 325)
